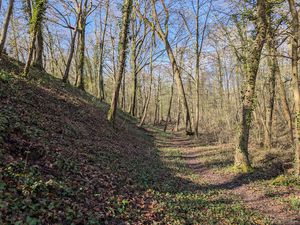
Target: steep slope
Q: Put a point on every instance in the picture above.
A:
(60, 159)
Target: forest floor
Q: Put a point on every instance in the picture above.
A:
(61, 162)
(264, 190)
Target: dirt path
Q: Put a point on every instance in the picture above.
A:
(212, 164)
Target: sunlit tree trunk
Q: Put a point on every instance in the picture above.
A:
(295, 81)
(271, 82)
(101, 55)
(242, 160)
(81, 45)
(168, 118)
(6, 24)
(123, 40)
(178, 114)
(72, 46)
(39, 48)
(37, 18)
(14, 34)
(283, 99)
(132, 110)
(151, 80)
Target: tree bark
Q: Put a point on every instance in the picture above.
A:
(127, 8)
(14, 34)
(295, 82)
(151, 80)
(5, 25)
(168, 118)
(132, 110)
(271, 83)
(81, 53)
(38, 14)
(39, 48)
(30, 54)
(101, 56)
(242, 160)
(284, 101)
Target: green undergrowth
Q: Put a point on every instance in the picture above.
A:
(285, 180)
(188, 203)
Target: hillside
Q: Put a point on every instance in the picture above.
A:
(63, 163)
(60, 159)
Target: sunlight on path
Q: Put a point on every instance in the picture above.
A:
(211, 167)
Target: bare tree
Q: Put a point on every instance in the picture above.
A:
(123, 40)
(6, 24)
(242, 156)
(163, 33)
(295, 77)
(101, 93)
(39, 9)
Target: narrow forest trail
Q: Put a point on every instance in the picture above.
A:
(210, 167)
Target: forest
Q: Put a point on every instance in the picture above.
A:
(149, 112)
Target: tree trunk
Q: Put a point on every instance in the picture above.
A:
(151, 80)
(179, 86)
(242, 160)
(271, 82)
(168, 118)
(14, 34)
(39, 48)
(295, 82)
(220, 79)
(30, 54)
(38, 13)
(70, 57)
(178, 114)
(72, 46)
(101, 56)
(132, 110)
(5, 25)
(81, 54)
(127, 7)
(156, 111)
(123, 100)
(284, 102)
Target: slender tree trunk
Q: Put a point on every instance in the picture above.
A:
(156, 111)
(101, 56)
(242, 160)
(30, 55)
(5, 25)
(81, 54)
(220, 80)
(123, 100)
(271, 82)
(133, 72)
(178, 114)
(151, 80)
(284, 101)
(160, 108)
(295, 82)
(179, 86)
(39, 48)
(168, 118)
(38, 14)
(14, 34)
(70, 57)
(127, 8)
(72, 46)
